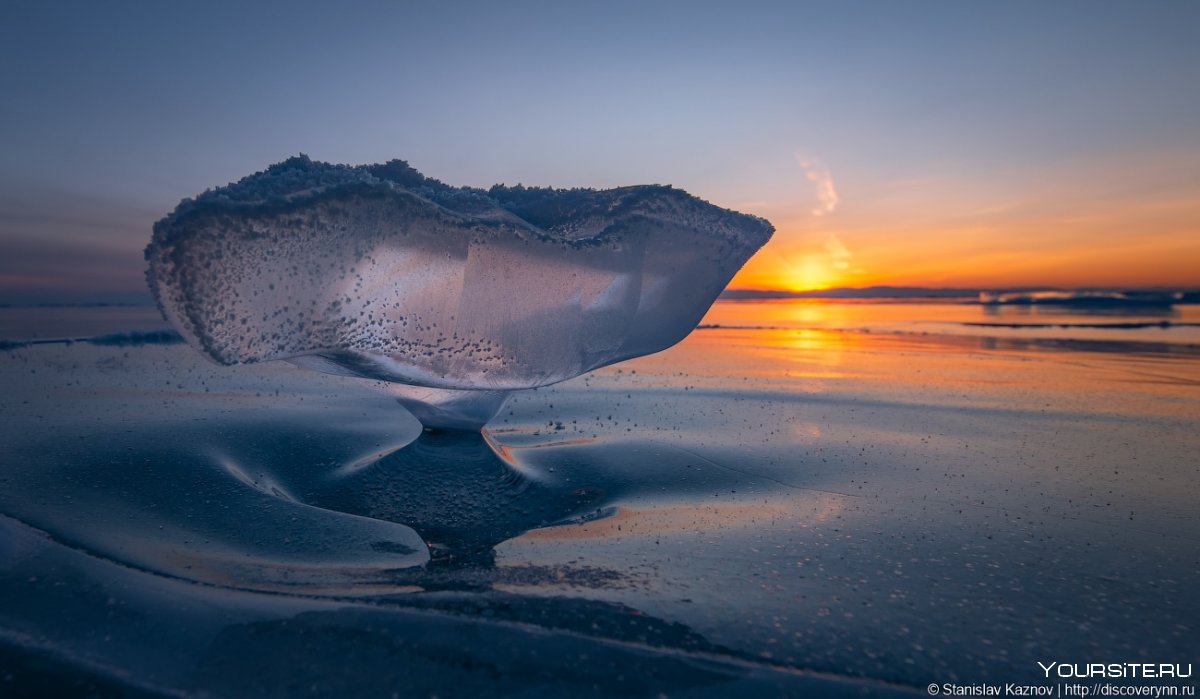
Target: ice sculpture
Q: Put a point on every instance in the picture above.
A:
(455, 295)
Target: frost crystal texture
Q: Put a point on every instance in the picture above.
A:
(462, 294)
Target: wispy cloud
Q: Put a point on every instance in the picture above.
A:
(822, 179)
(827, 201)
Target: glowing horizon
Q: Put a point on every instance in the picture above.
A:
(794, 262)
(1077, 226)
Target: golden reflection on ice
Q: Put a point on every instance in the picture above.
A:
(815, 347)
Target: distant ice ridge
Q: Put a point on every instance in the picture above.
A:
(458, 295)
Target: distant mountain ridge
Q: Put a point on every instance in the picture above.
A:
(912, 292)
(869, 292)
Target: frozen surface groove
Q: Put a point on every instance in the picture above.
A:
(379, 272)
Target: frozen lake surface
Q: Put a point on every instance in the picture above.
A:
(834, 498)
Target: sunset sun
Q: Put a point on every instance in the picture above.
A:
(811, 273)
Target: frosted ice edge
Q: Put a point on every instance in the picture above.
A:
(379, 272)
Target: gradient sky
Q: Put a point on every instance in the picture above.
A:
(925, 143)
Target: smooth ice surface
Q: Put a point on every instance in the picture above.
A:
(379, 272)
(775, 507)
(778, 506)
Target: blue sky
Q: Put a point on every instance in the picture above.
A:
(930, 113)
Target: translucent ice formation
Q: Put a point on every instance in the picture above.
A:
(458, 295)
